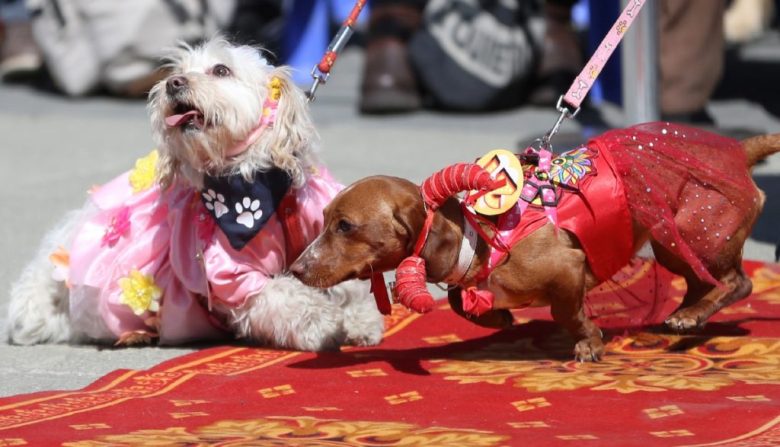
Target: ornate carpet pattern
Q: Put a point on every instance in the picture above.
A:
(438, 380)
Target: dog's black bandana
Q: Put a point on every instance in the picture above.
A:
(240, 208)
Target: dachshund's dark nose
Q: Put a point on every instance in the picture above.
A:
(176, 84)
(298, 268)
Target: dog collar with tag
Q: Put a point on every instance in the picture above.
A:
(241, 208)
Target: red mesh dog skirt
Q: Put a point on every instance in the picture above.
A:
(677, 179)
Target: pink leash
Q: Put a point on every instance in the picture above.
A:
(569, 104)
(583, 83)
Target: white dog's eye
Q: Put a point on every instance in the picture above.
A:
(220, 70)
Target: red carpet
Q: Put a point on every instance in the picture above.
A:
(438, 380)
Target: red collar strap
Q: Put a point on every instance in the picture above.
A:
(379, 290)
(410, 289)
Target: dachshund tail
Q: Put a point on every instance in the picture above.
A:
(760, 147)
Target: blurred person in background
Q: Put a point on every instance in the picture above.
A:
(112, 46)
(116, 46)
(692, 53)
(475, 55)
(467, 55)
(389, 83)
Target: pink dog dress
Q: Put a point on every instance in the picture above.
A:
(150, 263)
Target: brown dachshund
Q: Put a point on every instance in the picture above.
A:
(374, 224)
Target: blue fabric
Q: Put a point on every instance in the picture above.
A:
(13, 11)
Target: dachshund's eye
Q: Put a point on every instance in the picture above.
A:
(220, 71)
(344, 226)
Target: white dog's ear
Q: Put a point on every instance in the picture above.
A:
(292, 132)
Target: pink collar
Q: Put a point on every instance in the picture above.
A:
(267, 118)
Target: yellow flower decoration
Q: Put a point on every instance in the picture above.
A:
(275, 89)
(140, 293)
(143, 175)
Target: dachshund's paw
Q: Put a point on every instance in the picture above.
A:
(589, 350)
(682, 321)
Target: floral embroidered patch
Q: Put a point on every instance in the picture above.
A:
(570, 167)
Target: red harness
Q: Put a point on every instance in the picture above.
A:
(594, 209)
(590, 204)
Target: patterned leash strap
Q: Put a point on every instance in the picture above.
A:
(321, 71)
(569, 104)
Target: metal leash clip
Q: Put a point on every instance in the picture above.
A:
(319, 78)
(566, 113)
(321, 71)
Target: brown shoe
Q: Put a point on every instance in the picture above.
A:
(389, 84)
(19, 54)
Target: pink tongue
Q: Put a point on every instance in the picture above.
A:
(178, 120)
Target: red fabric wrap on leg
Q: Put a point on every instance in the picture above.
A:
(410, 285)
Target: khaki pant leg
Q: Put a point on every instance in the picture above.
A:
(692, 53)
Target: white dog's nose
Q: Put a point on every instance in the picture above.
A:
(176, 84)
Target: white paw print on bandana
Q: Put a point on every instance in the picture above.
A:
(248, 211)
(216, 203)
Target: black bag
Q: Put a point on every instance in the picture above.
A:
(476, 54)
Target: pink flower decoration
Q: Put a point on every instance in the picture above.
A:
(118, 227)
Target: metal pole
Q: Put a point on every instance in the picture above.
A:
(640, 67)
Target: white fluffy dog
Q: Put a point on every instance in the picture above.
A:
(203, 251)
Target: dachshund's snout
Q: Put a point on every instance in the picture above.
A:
(299, 267)
(303, 267)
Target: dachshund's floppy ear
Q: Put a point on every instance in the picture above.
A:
(409, 217)
(292, 133)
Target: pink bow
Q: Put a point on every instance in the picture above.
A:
(476, 302)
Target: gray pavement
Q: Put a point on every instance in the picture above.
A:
(53, 149)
